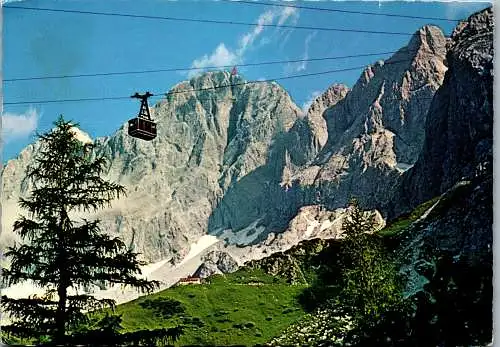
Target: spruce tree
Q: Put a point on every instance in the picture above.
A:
(371, 287)
(59, 252)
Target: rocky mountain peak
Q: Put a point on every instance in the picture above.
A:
(470, 41)
(212, 79)
(376, 131)
(310, 134)
(479, 23)
(425, 52)
(330, 97)
(429, 37)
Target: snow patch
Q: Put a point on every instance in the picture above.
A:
(196, 248)
(165, 272)
(147, 270)
(311, 224)
(28, 288)
(23, 290)
(244, 236)
(403, 166)
(325, 225)
(81, 136)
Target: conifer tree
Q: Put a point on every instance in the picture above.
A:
(371, 285)
(62, 253)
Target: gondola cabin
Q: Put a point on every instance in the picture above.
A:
(142, 127)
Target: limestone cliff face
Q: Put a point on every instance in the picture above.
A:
(309, 134)
(208, 140)
(239, 162)
(373, 133)
(459, 129)
(377, 130)
(456, 163)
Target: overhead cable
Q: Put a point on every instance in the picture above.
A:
(324, 9)
(192, 68)
(210, 21)
(205, 88)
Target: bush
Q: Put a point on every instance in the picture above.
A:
(220, 313)
(163, 307)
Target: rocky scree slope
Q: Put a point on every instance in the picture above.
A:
(310, 223)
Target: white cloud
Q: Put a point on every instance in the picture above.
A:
(222, 55)
(312, 96)
(265, 41)
(284, 37)
(288, 12)
(16, 126)
(301, 66)
(247, 40)
(285, 33)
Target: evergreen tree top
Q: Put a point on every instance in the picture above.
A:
(59, 253)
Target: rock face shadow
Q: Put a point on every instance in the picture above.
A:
(258, 200)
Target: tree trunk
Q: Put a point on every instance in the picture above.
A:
(61, 315)
(63, 284)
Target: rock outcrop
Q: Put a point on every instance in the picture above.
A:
(459, 125)
(216, 262)
(376, 132)
(310, 134)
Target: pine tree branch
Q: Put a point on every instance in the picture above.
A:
(10, 278)
(34, 312)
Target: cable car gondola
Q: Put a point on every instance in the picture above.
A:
(142, 127)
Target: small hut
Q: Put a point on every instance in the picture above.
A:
(189, 280)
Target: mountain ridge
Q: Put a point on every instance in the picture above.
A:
(222, 157)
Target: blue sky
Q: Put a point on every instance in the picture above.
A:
(38, 43)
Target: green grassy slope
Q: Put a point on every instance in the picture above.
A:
(243, 308)
(399, 224)
(256, 303)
